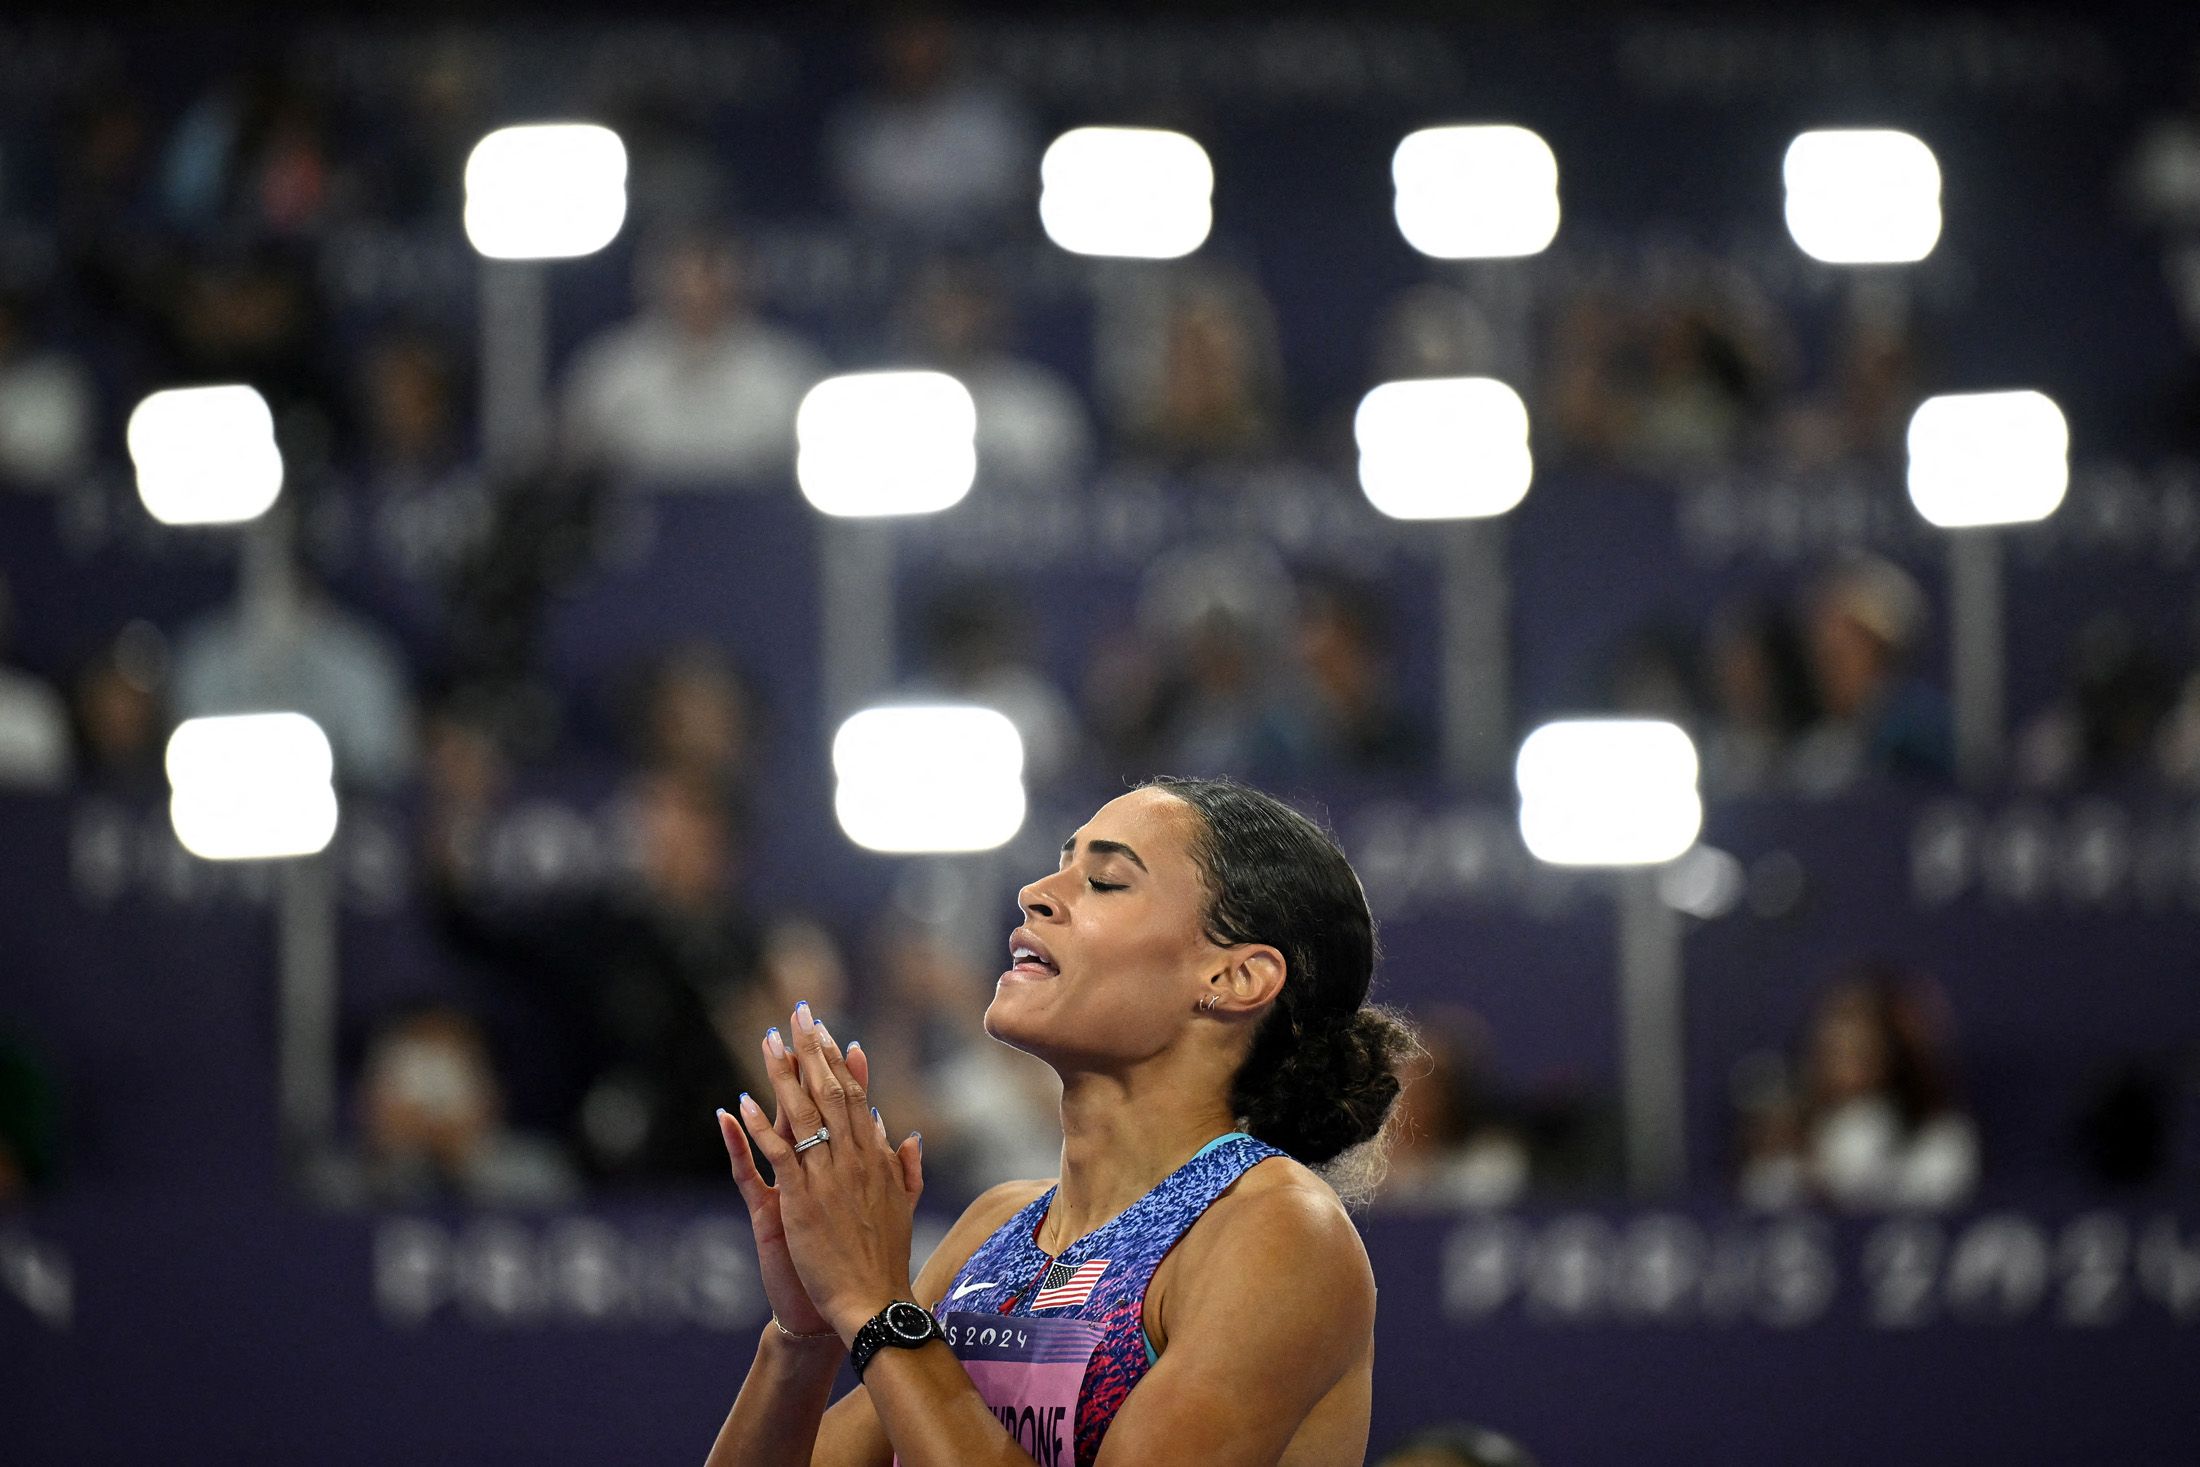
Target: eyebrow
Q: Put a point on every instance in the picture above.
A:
(1105, 848)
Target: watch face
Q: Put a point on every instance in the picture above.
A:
(909, 1322)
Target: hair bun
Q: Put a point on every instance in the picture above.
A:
(1333, 1083)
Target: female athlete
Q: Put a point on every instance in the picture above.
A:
(1196, 971)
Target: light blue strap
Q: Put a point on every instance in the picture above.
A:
(1151, 1353)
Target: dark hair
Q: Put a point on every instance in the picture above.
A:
(1323, 1071)
(1908, 1013)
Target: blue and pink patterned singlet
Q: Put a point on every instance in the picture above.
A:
(1055, 1344)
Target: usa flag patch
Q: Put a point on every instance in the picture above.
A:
(1065, 1286)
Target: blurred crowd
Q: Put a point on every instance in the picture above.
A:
(156, 239)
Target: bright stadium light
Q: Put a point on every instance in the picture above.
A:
(205, 455)
(1135, 192)
(1862, 196)
(1608, 792)
(251, 786)
(1443, 448)
(938, 777)
(1988, 458)
(886, 443)
(1476, 193)
(548, 191)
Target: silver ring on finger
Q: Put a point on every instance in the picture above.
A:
(817, 1137)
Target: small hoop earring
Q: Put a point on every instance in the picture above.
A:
(1209, 1002)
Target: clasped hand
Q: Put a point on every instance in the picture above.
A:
(833, 1228)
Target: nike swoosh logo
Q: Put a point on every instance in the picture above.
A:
(962, 1289)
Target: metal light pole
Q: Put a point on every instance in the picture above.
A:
(256, 786)
(1980, 461)
(1621, 793)
(546, 191)
(872, 447)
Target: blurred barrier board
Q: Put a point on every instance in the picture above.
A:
(193, 1330)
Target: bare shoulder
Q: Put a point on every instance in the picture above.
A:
(1285, 1197)
(979, 1221)
(1280, 1220)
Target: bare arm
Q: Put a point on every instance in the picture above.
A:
(775, 1420)
(1270, 1313)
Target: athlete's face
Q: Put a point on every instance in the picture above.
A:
(1118, 956)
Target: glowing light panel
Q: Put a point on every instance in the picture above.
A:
(1862, 196)
(251, 786)
(1135, 192)
(546, 191)
(1608, 792)
(205, 455)
(886, 443)
(936, 777)
(1443, 448)
(1988, 458)
(1464, 193)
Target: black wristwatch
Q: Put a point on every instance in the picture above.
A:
(901, 1324)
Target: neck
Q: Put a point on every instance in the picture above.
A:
(1122, 1132)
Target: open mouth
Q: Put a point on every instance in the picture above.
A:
(1027, 957)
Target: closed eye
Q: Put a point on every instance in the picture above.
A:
(1104, 885)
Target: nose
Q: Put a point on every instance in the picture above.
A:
(1034, 902)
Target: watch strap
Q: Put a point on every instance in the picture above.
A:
(876, 1334)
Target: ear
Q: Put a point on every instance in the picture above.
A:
(1248, 985)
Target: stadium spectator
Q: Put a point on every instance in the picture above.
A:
(1761, 699)
(1195, 688)
(432, 1127)
(1453, 1145)
(416, 172)
(1861, 414)
(1434, 331)
(629, 982)
(251, 313)
(119, 699)
(2108, 722)
(1352, 710)
(1872, 1121)
(696, 391)
(315, 657)
(48, 407)
(104, 192)
(1679, 382)
(798, 961)
(1196, 372)
(250, 153)
(973, 648)
(932, 151)
(1654, 674)
(1458, 1445)
(1033, 431)
(1876, 716)
(409, 386)
(34, 722)
(677, 176)
(696, 721)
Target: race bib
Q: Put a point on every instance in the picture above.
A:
(1029, 1371)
